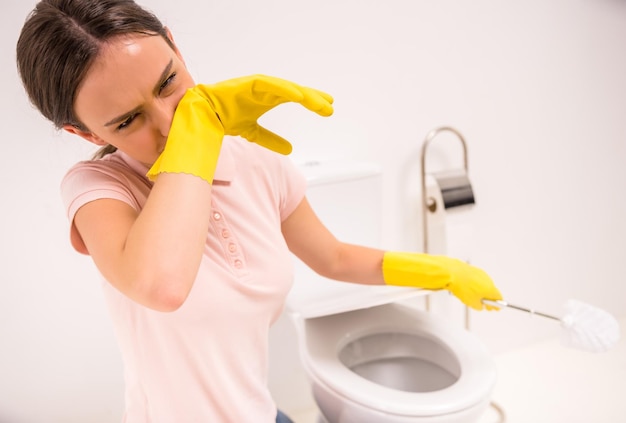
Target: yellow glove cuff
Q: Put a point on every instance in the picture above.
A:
(194, 141)
(415, 270)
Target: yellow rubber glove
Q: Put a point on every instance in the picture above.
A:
(240, 102)
(468, 283)
(208, 112)
(194, 141)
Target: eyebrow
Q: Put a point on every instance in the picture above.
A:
(157, 88)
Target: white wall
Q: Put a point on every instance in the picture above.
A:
(537, 87)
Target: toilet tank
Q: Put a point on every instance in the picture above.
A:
(347, 197)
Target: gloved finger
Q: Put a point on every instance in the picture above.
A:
(476, 305)
(476, 300)
(466, 295)
(472, 295)
(488, 288)
(329, 98)
(317, 101)
(489, 300)
(268, 139)
(273, 91)
(262, 90)
(493, 294)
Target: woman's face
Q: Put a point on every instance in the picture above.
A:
(129, 95)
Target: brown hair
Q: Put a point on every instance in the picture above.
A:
(60, 40)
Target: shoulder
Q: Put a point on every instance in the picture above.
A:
(114, 176)
(111, 167)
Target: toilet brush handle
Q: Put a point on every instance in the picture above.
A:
(501, 304)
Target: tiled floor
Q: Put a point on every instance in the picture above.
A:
(548, 383)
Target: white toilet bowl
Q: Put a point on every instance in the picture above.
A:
(393, 363)
(370, 359)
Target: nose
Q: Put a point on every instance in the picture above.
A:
(163, 116)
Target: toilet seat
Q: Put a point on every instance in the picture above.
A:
(327, 336)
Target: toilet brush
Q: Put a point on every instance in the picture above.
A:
(584, 327)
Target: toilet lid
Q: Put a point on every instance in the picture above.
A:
(326, 336)
(324, 297)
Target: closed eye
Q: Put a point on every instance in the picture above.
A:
(167, 82)
(132, 117)
(127, 122)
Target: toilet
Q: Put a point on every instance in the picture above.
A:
(369, 352)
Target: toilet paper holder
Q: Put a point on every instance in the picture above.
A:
(455, 187)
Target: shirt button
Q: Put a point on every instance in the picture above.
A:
(238, 264)
(217, 215)
(225, 233)
(232, 247)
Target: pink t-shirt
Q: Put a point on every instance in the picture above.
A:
(206, 361)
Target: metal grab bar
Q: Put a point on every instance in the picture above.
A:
(425, 203)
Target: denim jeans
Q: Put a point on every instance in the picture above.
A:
(282, 418)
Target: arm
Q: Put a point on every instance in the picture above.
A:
(312, 242)
(309, 239)
(153, 256)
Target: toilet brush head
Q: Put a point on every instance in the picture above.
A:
(588, 328)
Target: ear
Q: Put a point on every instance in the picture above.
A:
(89, 136)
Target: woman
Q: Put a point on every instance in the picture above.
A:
(191, 228)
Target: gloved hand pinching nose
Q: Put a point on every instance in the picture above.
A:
(468, 283)
(208, 112)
